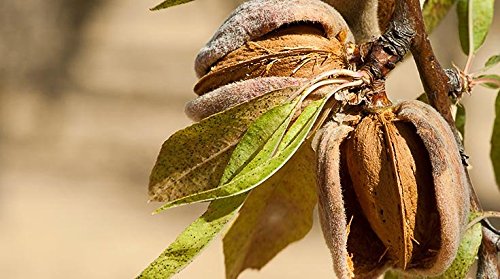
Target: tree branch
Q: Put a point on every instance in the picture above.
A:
(487, 266)
(391, 47)
(432, 75)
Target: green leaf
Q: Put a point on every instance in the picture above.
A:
(423, 98)
(275, 214)
(193, 159)
(392, 274)
(495, 141)
(492, 61)
(481, 19)
(489, 81)
(434, 11)
(193, 239)
(190, 242)
(251, 178)
(466, 256)
(204, 229)
(460, 119)
(266, 130)
(168, 4)
(257, 144)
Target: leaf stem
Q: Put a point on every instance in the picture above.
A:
(470, 23)
(482, 216)
(485, 80)
(468, 65)
(328, 74)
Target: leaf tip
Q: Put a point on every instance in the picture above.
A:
(157, 211)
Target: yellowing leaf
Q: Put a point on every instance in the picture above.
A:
(392, 274)
(193, 239)
(193, 159)
(250, 179)
(275, 214)
(481, 17)
(423, 98)
(168, 4)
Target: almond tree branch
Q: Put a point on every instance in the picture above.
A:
(487, 266)
(433, 77)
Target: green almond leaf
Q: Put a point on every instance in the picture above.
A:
(495, 141)
(193, 239)
(434, 11)
(273, 125)
(254, 177)
(275, 214)
(481, 17)
(190, 243)
(392, 274)
(193, 159)
(423, 98)
(489, 81)
(268, 149)
(168, 4)
(492, 61)
(274, 122)
(466, 256)
(460, 119)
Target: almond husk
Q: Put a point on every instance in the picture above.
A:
(449, 182)
(356, 250)
(299, 51)
(265, 45)
(392, 191)
(256, 18)
(385, 11)
(235, 93)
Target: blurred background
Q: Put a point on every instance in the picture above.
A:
(89, 90)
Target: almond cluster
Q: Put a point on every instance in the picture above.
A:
(267, 45)
(391, 186)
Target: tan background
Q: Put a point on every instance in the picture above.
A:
(78, 139)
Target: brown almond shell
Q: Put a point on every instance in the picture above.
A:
(294, 51)
(256, 18)
(390, 170)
